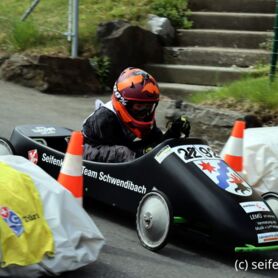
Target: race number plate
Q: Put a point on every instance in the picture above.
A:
(190, 153)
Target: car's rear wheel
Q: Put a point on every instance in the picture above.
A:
(6, 147)
(272, 200)
(153, 220)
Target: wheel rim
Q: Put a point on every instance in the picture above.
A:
(153, 220)
(272, 201)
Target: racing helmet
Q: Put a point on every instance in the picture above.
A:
(135, 98)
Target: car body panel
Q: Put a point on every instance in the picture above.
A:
(200, 186)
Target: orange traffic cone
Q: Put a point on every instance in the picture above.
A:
(70, 175)
(232, 152)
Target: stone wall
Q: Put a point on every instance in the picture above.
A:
(49, 74)
(212, 125)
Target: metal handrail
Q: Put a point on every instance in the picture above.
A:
(72, 34)
(30, 9)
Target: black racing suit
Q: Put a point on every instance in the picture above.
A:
(107, 139)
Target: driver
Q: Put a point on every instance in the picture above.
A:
(124, 128)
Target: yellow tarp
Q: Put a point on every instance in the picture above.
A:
(25, 236)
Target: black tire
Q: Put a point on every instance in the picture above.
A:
(154, 219)
(271, 199)
(6, 147)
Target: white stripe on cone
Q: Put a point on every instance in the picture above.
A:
(72, 165)
(234, 146)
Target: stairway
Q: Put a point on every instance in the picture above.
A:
(224, 44)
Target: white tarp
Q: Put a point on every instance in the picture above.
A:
(260, 158)
(77, 239)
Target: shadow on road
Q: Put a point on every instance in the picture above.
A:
(183, 247)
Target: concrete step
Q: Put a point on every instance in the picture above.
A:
(215, 56)
(182, 91)
(233, 21)
(223, 38)
(251, 6)
(200, 75)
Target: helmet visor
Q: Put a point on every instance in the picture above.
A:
(141, 111)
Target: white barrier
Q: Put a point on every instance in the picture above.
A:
(260, 158)
(77, 239)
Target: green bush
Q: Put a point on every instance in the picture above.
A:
(101, 65)
(175, 10)
(24, 35)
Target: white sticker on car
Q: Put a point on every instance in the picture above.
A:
(44, 130)
(254, 206)
(163, 153)
(190, 153)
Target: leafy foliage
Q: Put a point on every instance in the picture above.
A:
(175, 10)
(101, 65)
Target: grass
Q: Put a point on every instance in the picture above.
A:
(48, 23)
(50, 17)
(24, 35)
(258, 91)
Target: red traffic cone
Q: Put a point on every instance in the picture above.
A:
(232, 152)
(70, 175)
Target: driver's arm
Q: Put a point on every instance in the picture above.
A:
(108, 153)
(104, 140)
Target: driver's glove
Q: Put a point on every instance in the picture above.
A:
(143, 151)
(147, 149)
(180, 125)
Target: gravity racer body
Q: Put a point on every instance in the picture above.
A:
(180, 181)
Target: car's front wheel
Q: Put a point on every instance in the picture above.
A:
(6, 147)
(153, 220)
(272, 200)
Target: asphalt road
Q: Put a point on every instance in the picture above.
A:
(123, 256)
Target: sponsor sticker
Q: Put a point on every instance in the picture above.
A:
(224, 177)
(12, 220)
(267, 237)
(254, 206)
(33, 156)
(163, 153)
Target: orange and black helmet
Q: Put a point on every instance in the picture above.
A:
(136, 87)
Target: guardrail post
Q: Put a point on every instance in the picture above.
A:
(275, 47)
(74, 42)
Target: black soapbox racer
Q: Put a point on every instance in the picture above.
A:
(180, 182)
